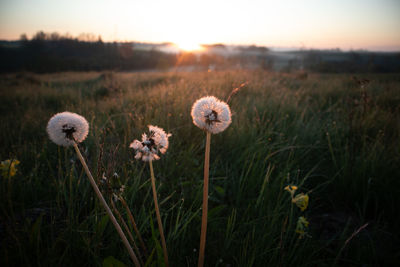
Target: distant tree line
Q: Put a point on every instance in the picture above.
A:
(336, 61)
(53, 52)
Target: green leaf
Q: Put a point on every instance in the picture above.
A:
(219, 190)
(35, 231)
(101, 226)
(155, 235)
(215, 211)
(110, 261)
(149, 261)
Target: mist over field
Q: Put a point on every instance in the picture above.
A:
(52, 52)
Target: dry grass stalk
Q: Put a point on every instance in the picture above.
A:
(106, 207)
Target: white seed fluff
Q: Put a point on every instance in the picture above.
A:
(152, 143)
(66, 127)
(211, 114)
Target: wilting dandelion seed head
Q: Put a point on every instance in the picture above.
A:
(211, 114)
(152, 143)
(65, 128)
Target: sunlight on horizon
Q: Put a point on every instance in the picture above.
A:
(188, 46)
(366, 24)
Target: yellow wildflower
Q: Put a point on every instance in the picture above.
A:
(291, 189)
(8, 168)
(301, 201)
(301, 226)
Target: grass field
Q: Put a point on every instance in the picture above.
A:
(338, 142)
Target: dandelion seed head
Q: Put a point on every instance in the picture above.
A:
(152, 143)
(65, 128)
(211, 114)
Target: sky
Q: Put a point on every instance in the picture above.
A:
(324, 24)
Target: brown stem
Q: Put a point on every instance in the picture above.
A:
(132, 220)
(205, 202)
(126, 229)
(160, 227)
(107, 208)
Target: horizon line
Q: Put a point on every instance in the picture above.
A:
(280, 48)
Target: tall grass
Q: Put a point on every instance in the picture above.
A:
(314, 133)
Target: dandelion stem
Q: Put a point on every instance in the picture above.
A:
(160, 227)
(205, 202)
(106, 207)
(130, 215)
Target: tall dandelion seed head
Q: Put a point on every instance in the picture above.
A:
(211, 114)
(152, 143)
(65, 128)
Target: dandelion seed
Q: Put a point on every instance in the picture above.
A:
(8, 168)
(115, 198)
(104, 178)
(211, 114)
(122, 189)
(66, 128)
(152, 143)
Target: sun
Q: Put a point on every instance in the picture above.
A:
(188, 46)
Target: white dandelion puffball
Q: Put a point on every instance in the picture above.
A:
(152, 143)
(211, 114)
(65, 128)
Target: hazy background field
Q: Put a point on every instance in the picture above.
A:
(324, 133)
(46, 52)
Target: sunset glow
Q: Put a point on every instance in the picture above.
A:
(188, 46)
(355, 24)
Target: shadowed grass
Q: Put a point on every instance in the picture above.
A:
(315, 133)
